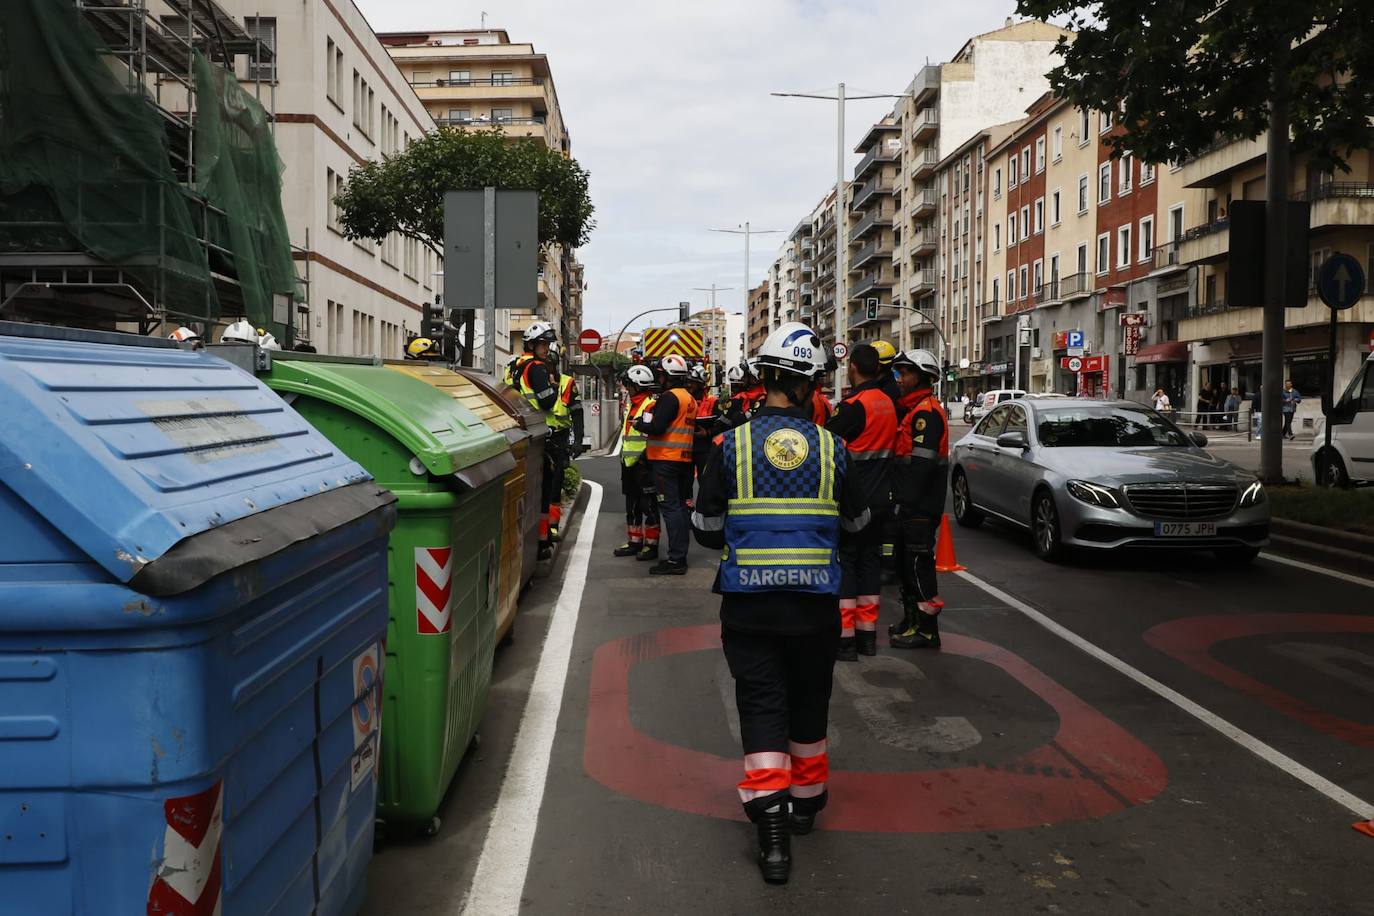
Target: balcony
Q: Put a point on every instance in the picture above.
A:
(923, 281)
(882, 153)
(926, 124)
(926, 83)
(1214, 165)
(1047, 293)
(539, 120)
(865, 193)
(1166, 259)
(989, 311)
(869, 282)
(924, 163)
(874, 249)
(1206, 244)
(924, 243)
(1075, 286)
(1340, 204)
(924, 201)
(807, 265)
(806, 289)
(875, 219)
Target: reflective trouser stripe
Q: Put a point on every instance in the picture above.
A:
(765, 773)
(651, 535)
(866, 612)
(810, 768)
(870, 456)
(847, 606)
(635, 532)
(544, 527)
(555, 513)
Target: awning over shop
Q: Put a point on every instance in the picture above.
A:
(1171, 351)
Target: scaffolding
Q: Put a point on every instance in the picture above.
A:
(64, 221)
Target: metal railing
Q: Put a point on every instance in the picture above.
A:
(1210, 307)
(926, 159)
(1075, 285)
(924, 198)
(872, 249)
(1216, 424)
(879, 153)
(866, 192)
(1328, 189)
(1047, 292)
(1165, 256)
(923, 278)
(467, 122)
(479, 81)
(868, 282)
(989, 310)
(869, 221)
(926, 119)
(1220, 224)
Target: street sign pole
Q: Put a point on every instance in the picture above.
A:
(489, 280)
(1340, 283)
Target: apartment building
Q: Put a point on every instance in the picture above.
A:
(1222, 333)
(723, 333)
(991, 80)
(339, 101)
(825, 263)
(871, 269)
(760, 315)
(479, 79)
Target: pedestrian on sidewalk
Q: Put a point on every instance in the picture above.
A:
(1232, 410)
(775, 496)
(867, 421)
(1255, 410)
(636, 475)
(668, 427)
(1162, 401)
(1291, 399)
(920, 482)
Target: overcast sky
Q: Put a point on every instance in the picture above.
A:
(669, 110)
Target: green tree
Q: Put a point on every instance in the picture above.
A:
(405, 192)
(1185, 73)
(618, 362)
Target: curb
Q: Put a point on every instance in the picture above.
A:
(1342, 550)
(571, 511)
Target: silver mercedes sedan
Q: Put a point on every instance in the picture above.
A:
(1099, 475)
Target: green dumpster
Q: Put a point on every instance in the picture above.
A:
(447, 469)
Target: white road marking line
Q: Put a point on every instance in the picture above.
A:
(1312, 567)
(615, 452)
(1355, 805)
(499, 880)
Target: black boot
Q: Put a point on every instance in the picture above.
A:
(802, 814)
(866, 641)
(908, 619)
(923, 634)
(669, 568)
(847, 650)
(775, 844)
(647, 552)
(629, 549)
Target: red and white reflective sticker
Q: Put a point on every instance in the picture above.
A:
(188, 877)
(433, 589)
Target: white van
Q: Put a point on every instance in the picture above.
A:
(992, 398)
(1350, 459)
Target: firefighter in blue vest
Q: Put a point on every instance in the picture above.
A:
(775, 495)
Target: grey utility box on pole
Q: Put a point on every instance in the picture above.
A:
(491, 255)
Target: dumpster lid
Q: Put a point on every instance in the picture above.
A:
(530, 419)
(129, 447)
(447, 438)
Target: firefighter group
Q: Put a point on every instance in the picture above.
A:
(801, 501)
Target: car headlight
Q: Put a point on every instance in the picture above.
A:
(1094, 494)
(1253, 495)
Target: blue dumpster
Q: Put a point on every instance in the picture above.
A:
(193, 598)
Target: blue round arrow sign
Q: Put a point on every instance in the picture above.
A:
(1340, 281)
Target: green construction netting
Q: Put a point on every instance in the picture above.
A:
(86, 165)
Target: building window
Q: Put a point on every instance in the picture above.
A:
(996, 282)
(996, 183)
(1025, 162)
(1054, 208)
(1023, 279)
(1011, 229)
(1123, 246)
(502, 78)
(1039, 275)
(502, 115)
(1057, 149)
(459, 77)
(1105, 122)
(1147, 173)
(1025, 223)
(1054, 275)
(1011, 171)
(333, 187)
(1011, 285)
(1084, 126)
(1082, 194)
(264, 29)
(1104, 183)
(1123, 175)
(1175, 222)
(460, 115)
(996, 236)
(1039, 155)
(1039, 215)
(1082, 258)
(334, 71)
(1147, 237)
(1104, 253)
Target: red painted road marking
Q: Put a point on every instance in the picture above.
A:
(188, 877)
(433, 589)
(1112, 769)
(1190, 640)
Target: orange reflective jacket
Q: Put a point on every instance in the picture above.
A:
(675, 442)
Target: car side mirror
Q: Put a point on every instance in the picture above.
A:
(1198, 439)
(1016, 439)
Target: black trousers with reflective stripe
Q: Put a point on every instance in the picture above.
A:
(673, 482)
(914, 551)
(637, 483)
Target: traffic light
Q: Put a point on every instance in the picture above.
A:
(432, 321)
(871, 308)
(949, 371)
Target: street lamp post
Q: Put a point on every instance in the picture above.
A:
(748, 233)
(715, 315)
(841, 224)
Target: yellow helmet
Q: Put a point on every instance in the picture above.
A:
(421, 346)
(886, 352)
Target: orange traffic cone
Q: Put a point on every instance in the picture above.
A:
(1365, 827)
(944, 549)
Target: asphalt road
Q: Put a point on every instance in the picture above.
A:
(1012, 772)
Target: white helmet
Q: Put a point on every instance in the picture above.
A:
(240, 332)
(698, 374)
(675, 365)
(751, 367)
(268, 342)
(183, 335)
(640, 376)
(793, 348)
(737, 375)
(539, 331)
(922, 360)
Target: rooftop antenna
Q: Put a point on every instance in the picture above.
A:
(484, 19)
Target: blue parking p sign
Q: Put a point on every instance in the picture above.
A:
(1073, 339)
(1340, 281)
